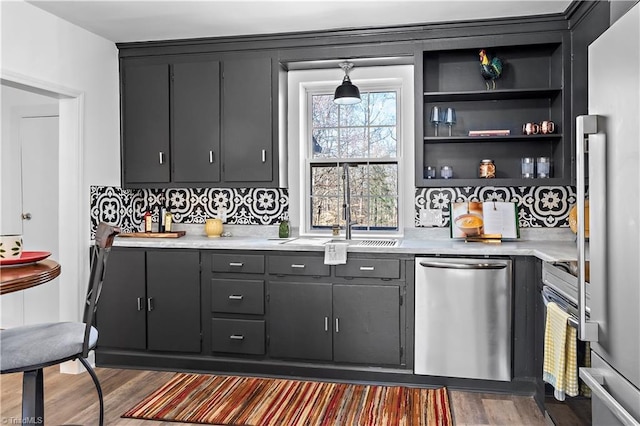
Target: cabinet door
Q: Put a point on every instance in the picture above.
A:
(121, 315)
(366, 324)
(196, 122)
(173, 292)
(247, 120)
(300, 320)
(145, 119)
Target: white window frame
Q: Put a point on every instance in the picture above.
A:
(304, 83)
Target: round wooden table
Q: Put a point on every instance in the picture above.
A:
(15, 278)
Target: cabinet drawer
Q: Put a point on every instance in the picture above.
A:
(298, 265)
(237, 296)
(369, 268)
(244, 263)
(238, 336)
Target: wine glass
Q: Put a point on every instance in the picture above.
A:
(450, 118)
(436, 117)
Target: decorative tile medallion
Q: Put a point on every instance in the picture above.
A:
(538, 207)
(240, 206)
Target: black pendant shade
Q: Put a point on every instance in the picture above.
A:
(347, 93)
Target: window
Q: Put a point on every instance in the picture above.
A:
(365, 136)
(383, 183)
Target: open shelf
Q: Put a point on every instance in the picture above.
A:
(530, 90)
(498, 94)
(481, 139)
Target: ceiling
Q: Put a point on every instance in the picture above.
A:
(144, 20)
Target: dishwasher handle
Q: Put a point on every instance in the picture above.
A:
(453, 265)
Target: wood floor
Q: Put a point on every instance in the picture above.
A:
(72, 400)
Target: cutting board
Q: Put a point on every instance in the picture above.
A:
(173, 234)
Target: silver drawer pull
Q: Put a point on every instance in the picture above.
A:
(326, 323)
(238, 264)
(210, 157)
(140, 304)
(367, 268)
(593, 378)
(235, 297)
(236, 337)
(264, 156)
(337, 325)
(298, 266)
(161, 157)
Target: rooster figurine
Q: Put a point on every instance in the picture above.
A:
(490, 69)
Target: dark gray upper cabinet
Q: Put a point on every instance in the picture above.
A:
(247, 112)
(145, 124)
(199, 121)
(171, 122)
(196, 125)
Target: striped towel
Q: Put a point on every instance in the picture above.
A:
(560, 353)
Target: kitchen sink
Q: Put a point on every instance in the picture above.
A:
(373, 242)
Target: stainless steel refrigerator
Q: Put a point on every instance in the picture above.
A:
(608, 148)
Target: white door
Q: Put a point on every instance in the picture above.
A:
(30, 185)
(39, 159)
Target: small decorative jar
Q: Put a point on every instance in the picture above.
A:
(213, 228)
(487, 169)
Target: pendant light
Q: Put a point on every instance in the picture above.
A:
(347, 93)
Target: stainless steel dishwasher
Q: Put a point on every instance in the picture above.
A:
(463, 317)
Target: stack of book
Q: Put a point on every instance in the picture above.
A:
(489, 132)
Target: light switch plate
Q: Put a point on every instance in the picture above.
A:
(431, 217)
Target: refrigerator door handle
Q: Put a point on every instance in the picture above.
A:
(595, 381)
(586, 125)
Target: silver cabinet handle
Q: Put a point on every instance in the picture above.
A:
(595, 381)
(210, 157)
(236, 264)
(326, 323)
(447, 265)
(149, 304)
(264, 155)
(298, 266)
(337, 325)
(236, 337)
(161, 157)
(367, 268)
(26, 216)
(588, 125)
(140, 304)
(235, 297)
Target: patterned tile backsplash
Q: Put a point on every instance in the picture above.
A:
(239, 206)
(539, 207)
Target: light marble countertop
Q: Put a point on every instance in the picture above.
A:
(557, 247)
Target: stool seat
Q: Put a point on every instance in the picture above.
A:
(40, 345)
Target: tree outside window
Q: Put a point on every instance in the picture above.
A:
(365, 136)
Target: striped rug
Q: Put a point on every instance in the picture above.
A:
(250, 401)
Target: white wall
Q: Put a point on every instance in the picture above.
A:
(46, 48)
(41, 50)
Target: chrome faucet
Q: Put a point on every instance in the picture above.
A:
(347, 200)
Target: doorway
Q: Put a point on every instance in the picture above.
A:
(30, 168)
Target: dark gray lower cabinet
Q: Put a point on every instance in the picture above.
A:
(300, 319)
(366, 324)
(150, 300)
(351, 323)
